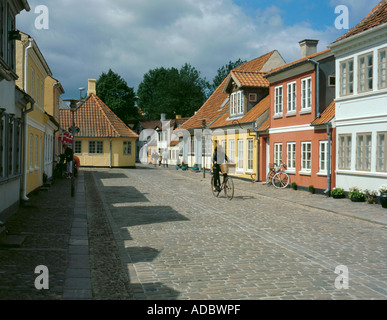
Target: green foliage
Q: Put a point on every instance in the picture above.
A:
(337, 192)
(311, 189)
(355, 193)
(117, 95)
(172, 92)
(294, 185)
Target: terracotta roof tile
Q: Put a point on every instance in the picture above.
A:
(251, 116)
(95, 119)
(265, 125)
(327, 115)
(250, 79)
(376, 17)
(216, 104)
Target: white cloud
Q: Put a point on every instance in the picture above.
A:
(88, 37)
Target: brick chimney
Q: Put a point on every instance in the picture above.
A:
(308, 47)
(92, 88)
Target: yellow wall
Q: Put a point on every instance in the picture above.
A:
(245, 173)
(118, 159)
(34, 159)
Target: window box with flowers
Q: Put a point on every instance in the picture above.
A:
(337, 193)
(383, 195)
(356, 195)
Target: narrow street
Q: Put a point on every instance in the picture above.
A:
(176, 241)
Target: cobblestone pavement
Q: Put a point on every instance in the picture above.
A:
(179, 242)
(158, 233)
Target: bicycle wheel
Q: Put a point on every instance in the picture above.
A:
(215, 192)
(229, 188)
(269, 177)
(281, 180)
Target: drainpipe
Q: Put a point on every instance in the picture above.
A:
(257, 176)
(317, 87)
(329, 173)
(25, 113)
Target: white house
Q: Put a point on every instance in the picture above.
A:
(361, 103)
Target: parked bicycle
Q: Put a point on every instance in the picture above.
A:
(227, 185)
(277, 176)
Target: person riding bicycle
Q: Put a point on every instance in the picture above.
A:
(218, 158)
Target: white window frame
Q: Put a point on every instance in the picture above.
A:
(278, 101)
(306, 95)
(240, 154)
(381, 152)
(278, 153)
(292, 98)
(96, 145)
(363, 151)
(345, 151)
(291, 157)
(365, 72)
(127, 145)
(306, 157)
(382, 69)
(237, 103)
(231, 154)
(250, 155)
(346, 75)
(323, 158)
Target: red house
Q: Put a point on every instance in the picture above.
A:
(301, 113)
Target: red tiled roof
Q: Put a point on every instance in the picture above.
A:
(265, 125)
(296, 62)
(250, 79)
(95, 119)
(251, 116)
(327, 115)
(376, 17)
(211, 110)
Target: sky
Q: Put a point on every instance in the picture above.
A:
(83, 39)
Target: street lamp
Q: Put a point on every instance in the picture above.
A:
(80, 92)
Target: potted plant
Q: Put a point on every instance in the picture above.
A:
(383, 195)
(294, 185)
(178, 166)
(195, 167)
(356, 195)
(370, 196)
(184, 167)
(312, 189)
(338, 193)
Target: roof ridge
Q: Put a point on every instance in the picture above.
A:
(101, 104)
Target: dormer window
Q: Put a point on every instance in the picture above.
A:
(237, 103)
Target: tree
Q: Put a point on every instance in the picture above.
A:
(223, 72)
(172, 92)
(117, 95)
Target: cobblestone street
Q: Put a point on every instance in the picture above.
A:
(158, 233)
(179, 242)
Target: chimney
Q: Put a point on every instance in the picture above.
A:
(92, 88)
(178, 116)
(308, 47)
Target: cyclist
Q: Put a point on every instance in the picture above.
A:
(218, 158)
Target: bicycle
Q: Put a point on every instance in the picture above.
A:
(281, 179)
(227, 185)
(273, 169)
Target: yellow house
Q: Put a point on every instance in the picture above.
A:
(32, 69)
(103, 139)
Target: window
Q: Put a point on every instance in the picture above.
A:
(32, 85)
(250, 151)
(95, 147)
(78, 147)
(291, 158)
(382, 69)
(363, 151)
(366, 72)
(292, 87)
(31, 150)
(381, 158)
(128, 147)
(323, 167)
(306, 156)
(278, 101)
(253, 97)
(231, 153)
(10, 47)
(278, 153)
(240, 154)
(346, 78)
(2, 144)
(38, 91)
(36, 151)
(306, 94)
(345, 150)
(236, 103)
(10, 144)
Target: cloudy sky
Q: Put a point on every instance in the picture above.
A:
(86, 38)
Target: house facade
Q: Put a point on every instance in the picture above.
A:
(14, 103)
(300, 92)
(103, 139)
(232, 116)
(361, 103)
